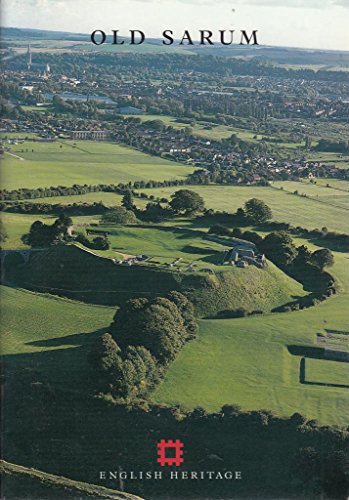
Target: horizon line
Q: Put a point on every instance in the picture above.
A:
(185, 46)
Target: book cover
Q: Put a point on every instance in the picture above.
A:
(174, 249)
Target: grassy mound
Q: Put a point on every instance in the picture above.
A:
(31, 484)
(76, 273)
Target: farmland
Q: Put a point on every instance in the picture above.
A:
(80, 162)
(286, 206)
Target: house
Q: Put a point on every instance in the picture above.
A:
(94, 135)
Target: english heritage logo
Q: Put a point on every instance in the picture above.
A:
(174, 446)
(170, 453)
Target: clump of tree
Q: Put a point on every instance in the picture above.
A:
(119, 216)
(279, 248)
(42, 235)
(322, 258)
(145, 336)
(97, 243)
(124, 373)
(186, 202)
(154, 212)
(156, 324)
(257, 212)
(333, 146)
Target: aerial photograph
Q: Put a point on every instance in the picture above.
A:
(174, 234)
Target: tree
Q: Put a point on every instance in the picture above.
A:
(322, 258)
(63, 222)
(279, 248)
(187, 311)
(3, 232)
(186, 202)
(335, 482)
(155, 212)
(139, 372)
(100, 243)
(257, 211)
(127, 201)
(305, 466)
(105, 359)
(303, 256)
(41, 235)
(154, 324)
(119, 216)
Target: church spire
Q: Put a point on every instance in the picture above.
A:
(29, 53)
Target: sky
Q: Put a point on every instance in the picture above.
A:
(293, 23)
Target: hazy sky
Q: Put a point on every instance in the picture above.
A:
(294, 23)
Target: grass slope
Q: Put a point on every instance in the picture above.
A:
(67, 162)
(31, 484)
(247, 362)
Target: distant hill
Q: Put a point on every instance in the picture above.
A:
(326, 59)
(32, 484)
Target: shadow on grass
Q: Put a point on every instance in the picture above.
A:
(64, 364)
(302, 367)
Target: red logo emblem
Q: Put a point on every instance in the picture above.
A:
(174, 458)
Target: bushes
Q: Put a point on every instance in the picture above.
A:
(98, 243)
(232, 313)
(119, 216)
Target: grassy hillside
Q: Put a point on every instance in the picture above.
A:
(76, 273)
(30, 320)
(69, 162)
(247, 362)
(286, 207)
(32, 484)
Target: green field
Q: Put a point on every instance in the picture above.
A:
(326, 372)
(286, 207)
(334, 196)
(67, 162)
(247, 362)
(334, 184)
(339, 160)
(214, 131)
